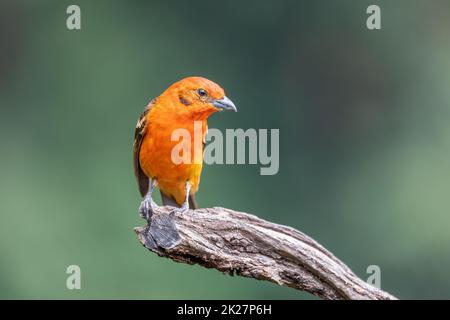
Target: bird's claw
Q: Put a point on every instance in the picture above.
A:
(175, 211)
(146, 209)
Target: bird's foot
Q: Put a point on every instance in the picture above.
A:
(183, 209)
(146, 208)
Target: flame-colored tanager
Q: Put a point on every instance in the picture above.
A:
(184, 102)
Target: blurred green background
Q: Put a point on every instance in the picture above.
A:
(364, 138)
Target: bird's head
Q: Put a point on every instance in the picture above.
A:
(198, 97)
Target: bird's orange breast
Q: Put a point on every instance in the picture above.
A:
(156, 154)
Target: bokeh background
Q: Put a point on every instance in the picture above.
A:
(364, 138)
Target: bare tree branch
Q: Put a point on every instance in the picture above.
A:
(242, 244)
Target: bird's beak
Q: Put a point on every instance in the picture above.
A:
(224, 104)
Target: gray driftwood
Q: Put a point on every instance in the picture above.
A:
(242, 244)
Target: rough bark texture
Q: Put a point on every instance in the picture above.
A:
(242, 244)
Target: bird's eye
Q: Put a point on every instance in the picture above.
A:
(202, 92)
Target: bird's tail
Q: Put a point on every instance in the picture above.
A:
(169, 201)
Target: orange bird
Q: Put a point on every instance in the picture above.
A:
(179, 107)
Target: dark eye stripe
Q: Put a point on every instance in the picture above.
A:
(184, 101)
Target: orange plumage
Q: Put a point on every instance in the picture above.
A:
(186, 101)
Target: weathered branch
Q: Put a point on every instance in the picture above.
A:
(241, 244)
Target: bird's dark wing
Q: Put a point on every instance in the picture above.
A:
(139, 133)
